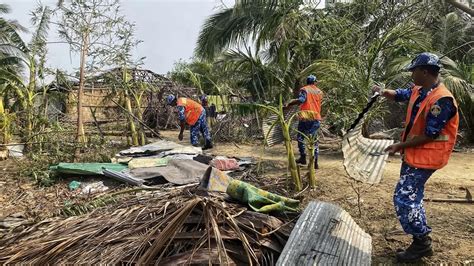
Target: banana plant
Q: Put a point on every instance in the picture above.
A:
(131, 94)
(6, 119)
(285, 126)
(311, 141)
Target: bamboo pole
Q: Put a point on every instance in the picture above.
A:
(138, 120)
(131, 124)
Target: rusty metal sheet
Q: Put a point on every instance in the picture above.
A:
(276, 135)
(364, 158)
(325, 234)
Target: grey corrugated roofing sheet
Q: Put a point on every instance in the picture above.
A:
(364, 158)
(325, 234)
(276, 135)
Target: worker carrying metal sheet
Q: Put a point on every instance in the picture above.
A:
(431, 127)
(193, 114)
(309, 99)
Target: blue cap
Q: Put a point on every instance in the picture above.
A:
(424, 59)
(311, 79)
(204, 97)
(170, 99)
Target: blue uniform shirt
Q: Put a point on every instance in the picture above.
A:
(434, 124)
(302, 96)
(181, 113)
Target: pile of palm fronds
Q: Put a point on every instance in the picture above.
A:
(174, 227)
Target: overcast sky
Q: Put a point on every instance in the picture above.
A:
(168, 29)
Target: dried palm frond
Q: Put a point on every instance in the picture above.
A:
(173, 227)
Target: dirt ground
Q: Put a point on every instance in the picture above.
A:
(452, 223)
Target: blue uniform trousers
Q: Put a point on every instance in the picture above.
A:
(309, 128)
(408, 199)
(200, 126)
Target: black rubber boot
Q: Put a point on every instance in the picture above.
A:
(419, 248)
(301, 160)
(208, 145)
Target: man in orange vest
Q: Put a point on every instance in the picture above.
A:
(309, 100)
(193, 114)
(431, 126)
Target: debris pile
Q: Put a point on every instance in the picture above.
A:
(180, 226)
(198, 215)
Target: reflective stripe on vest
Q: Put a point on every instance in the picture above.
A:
(192, 110)
(311, 109)
(434, 154)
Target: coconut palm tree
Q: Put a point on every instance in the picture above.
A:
(248, 20)
(10, 40)
(450, 35)
(458, 79)
(12, 55)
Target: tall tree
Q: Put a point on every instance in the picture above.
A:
(248, 20)
(100, 33)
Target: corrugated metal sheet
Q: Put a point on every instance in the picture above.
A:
(364, 158)
(325, 234)
(123, 177)
(276, 135)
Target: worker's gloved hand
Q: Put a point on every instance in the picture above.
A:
(180, 136)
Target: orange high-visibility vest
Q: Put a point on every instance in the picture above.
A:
(311, 109)
(434, 154)
(192, 110)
